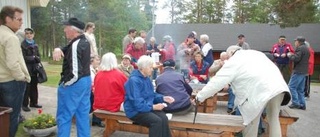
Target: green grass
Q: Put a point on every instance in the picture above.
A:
(53, 73)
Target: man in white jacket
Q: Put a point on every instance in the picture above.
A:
(257, 84)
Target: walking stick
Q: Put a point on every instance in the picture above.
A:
(196, 110)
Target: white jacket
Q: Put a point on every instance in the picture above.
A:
(254, 80)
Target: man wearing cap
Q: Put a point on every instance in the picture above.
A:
(172, 83)
(75, 84)
(279, 52)
(300, 70)
(13, 71)
(185, 54)
(241, 42)
(125, 65)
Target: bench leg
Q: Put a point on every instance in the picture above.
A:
(227, 134)
(111, 126)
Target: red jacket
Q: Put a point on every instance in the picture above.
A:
(109, 90)
(311, 61)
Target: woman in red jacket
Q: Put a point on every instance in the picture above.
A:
(109, 85)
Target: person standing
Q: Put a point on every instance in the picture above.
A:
(128, 39)
(279, 51)
(253, 90)
(14, 74)
(75, 84)
(89, 29)
(32, 58)
(310, 70)
(300, 70)
(242, 42)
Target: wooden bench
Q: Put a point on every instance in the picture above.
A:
(208, 125)
(286, 117)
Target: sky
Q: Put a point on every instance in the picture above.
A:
(163, 15)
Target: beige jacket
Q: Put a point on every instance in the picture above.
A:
(12, 64)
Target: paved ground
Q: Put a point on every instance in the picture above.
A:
(307, 125)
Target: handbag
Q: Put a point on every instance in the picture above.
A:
(41, 73)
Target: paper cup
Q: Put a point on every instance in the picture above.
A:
(169, 115)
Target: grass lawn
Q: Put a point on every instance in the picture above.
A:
(53, 73)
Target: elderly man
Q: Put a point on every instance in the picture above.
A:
(14, 73)
(135, 50)
(300, 69)
(253, 90)
(172, 83)
(75, 84)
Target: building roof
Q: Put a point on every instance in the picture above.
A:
(259, 36)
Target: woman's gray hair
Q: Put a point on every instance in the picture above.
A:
(108, 62)
(231, 49)
(144, 62)
(204, 37)
(77, 29)
(138, 40)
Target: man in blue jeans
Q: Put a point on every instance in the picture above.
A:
(13, 70)
(300, 70)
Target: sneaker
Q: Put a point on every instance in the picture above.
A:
(36, 106)
(303, 107)
(26, 109)
(229, 110)
(292, 106)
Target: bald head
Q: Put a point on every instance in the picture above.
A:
(232, 49)
(223, 56)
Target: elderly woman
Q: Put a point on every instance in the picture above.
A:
(125, 65)
(108, 85)
(206, 49)
(142, 105)
(199, 68)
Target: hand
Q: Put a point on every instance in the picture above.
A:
(37, 59)
(276, 54)
(158, 106)
(283, 55)
(203, 77)
(289, 54)
(168, 99)
(57, 54)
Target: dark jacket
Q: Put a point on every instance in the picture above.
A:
(31, 56)
(140, 95)
(171, 83)
(77, 50)
(301, 59)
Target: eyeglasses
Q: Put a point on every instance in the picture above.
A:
(18, 19)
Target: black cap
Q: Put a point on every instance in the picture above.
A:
(282, 37)
(241, 36)
(169, 63)
(191, 35)
(300, 39)
(74, 22)
(29, 29)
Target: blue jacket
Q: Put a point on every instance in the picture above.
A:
(171, 83)
(140, 95)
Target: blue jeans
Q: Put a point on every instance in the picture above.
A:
(230, 98)
(11, 95)
(154, 74)
(74, 100)
(296, 86)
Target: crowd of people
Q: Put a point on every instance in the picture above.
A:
(152, 79)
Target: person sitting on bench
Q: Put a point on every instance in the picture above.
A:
(172, 83)
(142, 105)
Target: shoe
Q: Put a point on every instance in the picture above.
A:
(21, 119)
(26, 109)
(303, 107)
(229, 110)
(292, 106)
(36, 106)
(100, 124)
